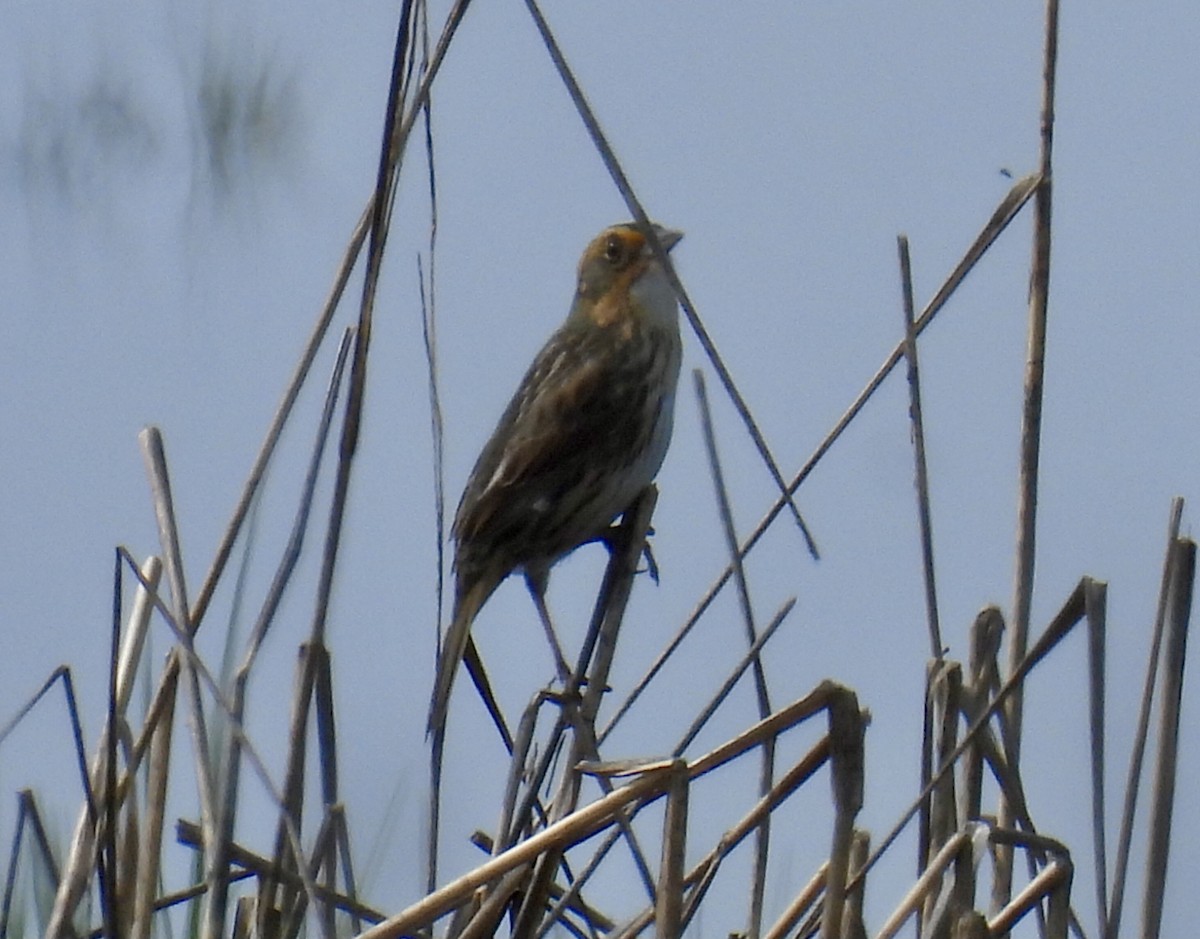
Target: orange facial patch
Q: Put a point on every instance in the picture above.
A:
(615, 305)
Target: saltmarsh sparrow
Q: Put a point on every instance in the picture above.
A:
(585, 433)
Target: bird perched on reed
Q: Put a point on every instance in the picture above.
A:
(584, 434)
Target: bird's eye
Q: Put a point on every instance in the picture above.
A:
(614, 250)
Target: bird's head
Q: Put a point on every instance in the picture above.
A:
(612, 266)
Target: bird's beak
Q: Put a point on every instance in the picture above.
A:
(667, 237)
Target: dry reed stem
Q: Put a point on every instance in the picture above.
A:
(619, 178)
(570, 830)
(702, 875)
(853, 925)
(939, 816)
(342, 835)
(1066, 618)
(110, 882)
(570, 900)
(1138, 751)
(150, 851)
(752, 655)
(486, 919)
(767, 770)
(168, 532)
(668, 909)
(987, 633)
(704, 872)
(202, 673)
(244, 918)
(217, 895)
(275, 895)
(99, 783)
(436, 421)
(960, 898)
(1031, 428)
(800, 906)
(398, 124)
(189, 834)
(924, 840)
(428, 298)
(924, 514)
(522, 744)
(816, 701)
(300, 524)
(821, 698)
(1095, 606)
(930, 878)
(1052, 882)
(135, 631)
(282, 412)
(847, 725)
(599, 651)
(27, 813)
(1162, 798)
(217, 857)
(1005, 212)
(565, 900)
(318, 859)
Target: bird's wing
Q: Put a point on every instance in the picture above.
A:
(573, 408)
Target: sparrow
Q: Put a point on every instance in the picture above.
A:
(585, 433)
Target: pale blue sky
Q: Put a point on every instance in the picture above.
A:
(791, 142)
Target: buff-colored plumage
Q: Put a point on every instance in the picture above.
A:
(586, 431)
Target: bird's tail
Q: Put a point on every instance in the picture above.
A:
(466, 606)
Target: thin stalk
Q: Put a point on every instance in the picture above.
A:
(937, 648)
(1162, 800)
(762, 841)
(669, 908)
(1048, 881)
(749, 658)
(27, 812)
(282, 412)
(1031, 429)
(1096, 607)
(164, 509)
(569, 899)
(847, 725)
(108, 880)
(275, 894)
(1137, 754)
(853, 925)
(916, 895)
(216, 900)
(150, 851)
(800, 905)
(987, 633)
(943, 706)
(79, 863)
(338, 813)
